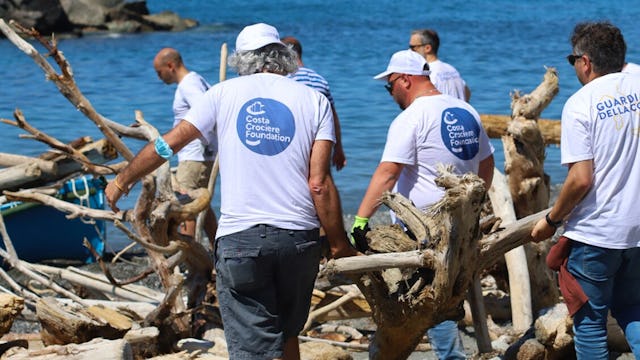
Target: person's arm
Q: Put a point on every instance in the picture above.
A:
(148, 160)
(339, 159)
(485, 171)
(327, 200)
(383, 179)
(576, 186)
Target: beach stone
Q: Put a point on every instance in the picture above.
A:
(531, 350)
(10, 307)
(216, 336)
(322, 351)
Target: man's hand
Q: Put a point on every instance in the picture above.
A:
(342, 249)
(338, 159)
(542, 231)
(359, 233)
(113, 192)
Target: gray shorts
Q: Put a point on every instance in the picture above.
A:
(264, 280)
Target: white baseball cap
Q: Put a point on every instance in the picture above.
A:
(255, 36)
(405, 62)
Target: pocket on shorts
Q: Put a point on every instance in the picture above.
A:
(310, 249)
(240, 265)
(307, 245)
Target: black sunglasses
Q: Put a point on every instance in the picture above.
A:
(414, 47)
(389, 85)
(572, 58)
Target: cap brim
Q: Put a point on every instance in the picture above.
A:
(383, 75)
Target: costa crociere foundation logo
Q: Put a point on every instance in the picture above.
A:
(460, 133)
(265, 126)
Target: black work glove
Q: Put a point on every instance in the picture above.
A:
(359, 232)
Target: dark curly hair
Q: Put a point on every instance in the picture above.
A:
(603, 43)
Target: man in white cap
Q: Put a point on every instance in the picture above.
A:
(432, 128)
(275, 138)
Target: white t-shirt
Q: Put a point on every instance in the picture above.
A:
(631, 68)
(266, 125)
(432, 130)
(601, 122)
(188, 91)
(447, 79)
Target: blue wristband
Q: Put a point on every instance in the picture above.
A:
(162, 148)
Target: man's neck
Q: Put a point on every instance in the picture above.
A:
(426, 89)
(181, 73)
(432, 58)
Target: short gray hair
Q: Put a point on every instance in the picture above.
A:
(273, 58)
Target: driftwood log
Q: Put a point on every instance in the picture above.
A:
(524, 149)
(407, 299)
(62, 324)
(497, 126)
(33, 174)
(401, 286)
(516, 259)
(97, 349)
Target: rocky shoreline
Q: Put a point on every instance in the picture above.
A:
(83, 17)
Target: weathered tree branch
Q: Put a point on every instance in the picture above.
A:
(21, 175)
(64, 82)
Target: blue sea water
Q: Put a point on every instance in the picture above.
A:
(498, 47)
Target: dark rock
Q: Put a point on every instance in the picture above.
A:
(46, 16)
(86, 16)
(137, 7)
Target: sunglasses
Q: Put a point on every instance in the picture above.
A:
(572, 58)
(389, 85)
(414, 47)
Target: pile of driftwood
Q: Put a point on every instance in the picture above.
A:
(404, 285)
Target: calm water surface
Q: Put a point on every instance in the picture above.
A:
(498, 47)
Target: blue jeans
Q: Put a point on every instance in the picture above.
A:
(611, 280)
(445, 341)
